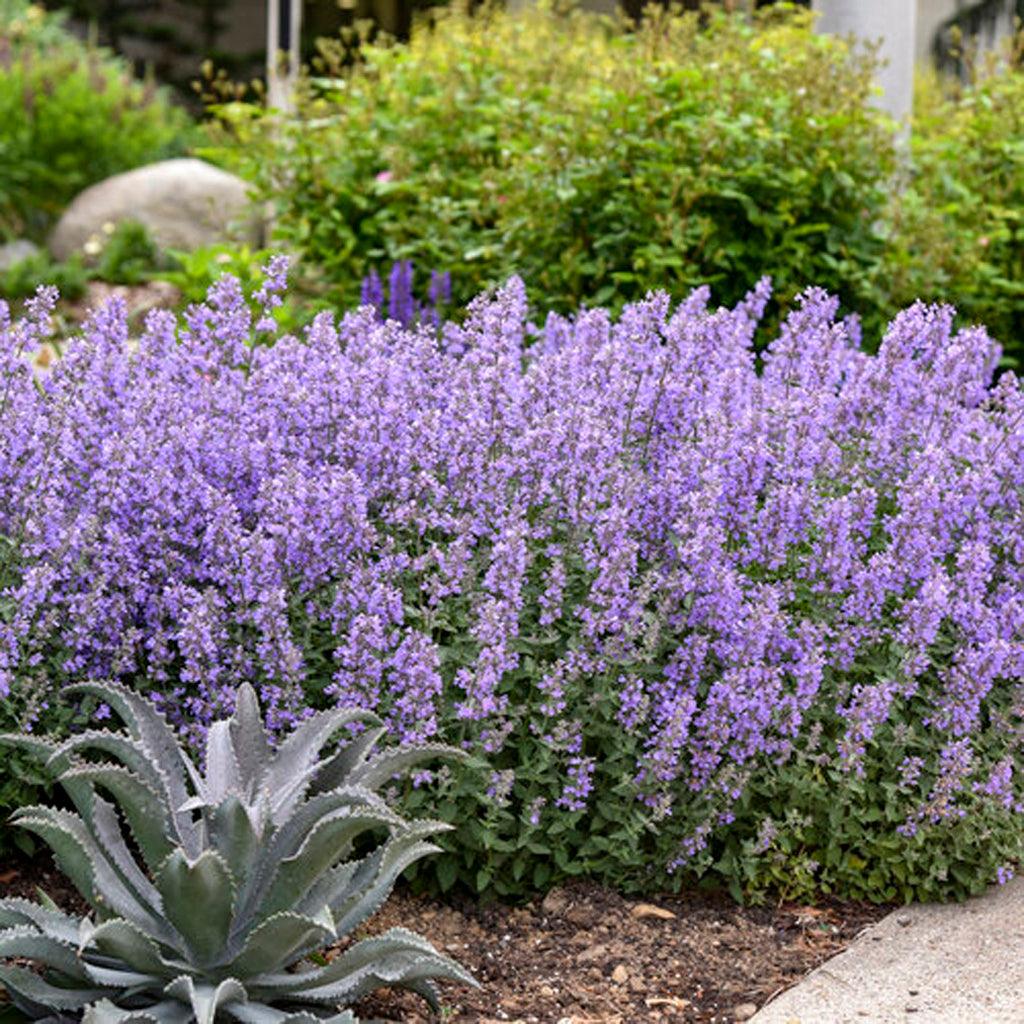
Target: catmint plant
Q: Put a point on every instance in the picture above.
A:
(662, 583)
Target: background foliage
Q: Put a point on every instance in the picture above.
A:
(594, 162)
(70, 115)
(957, 231)
(598, 163)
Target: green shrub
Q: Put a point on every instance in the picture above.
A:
(70, 115)
(22, 279)
(595, 162)
(128, 255)
(958, 229)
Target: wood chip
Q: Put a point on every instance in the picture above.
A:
(650, 910)
(674, 1001)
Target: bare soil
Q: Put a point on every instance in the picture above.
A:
(585, 955)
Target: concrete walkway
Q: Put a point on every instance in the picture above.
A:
(929, 964)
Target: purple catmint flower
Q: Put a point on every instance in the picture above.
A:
(401, 301)
(372, 291)
(491, 531)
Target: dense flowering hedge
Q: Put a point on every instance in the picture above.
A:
(692, 609)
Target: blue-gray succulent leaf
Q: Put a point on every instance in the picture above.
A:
(29, 941)
(336, 770)
(198, 898)
(148, 816)
(26, 985)
(282, 940)
(223, 772)
(206, 999)
(249, 739)
(295, 763)
(15, 911)
(166, 1011)
(384, 766)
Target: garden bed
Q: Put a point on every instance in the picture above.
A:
(587, 955)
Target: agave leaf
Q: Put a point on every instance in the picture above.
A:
(223, 774)
(290, 836)
(70, 851)
(148, 816)
(144, 721)
(234, 835)
(41, 749)
(336, 884)
(292, 832)
(353, 959)
(352, 913)
(325, 846)
(121, 940)
(334, 771)
(393, 762)
(56, 924)
(396, 957)
(86, 863)
(168, 1011)
(260, 1013)
(249, 738)
(28, 941)
(355, 904)
(120, 979)
(295, 761)
(280, 941)
(206, 1000)
(134, 756)
(106, 828)
(129, 752)
(424, 987)
(413, 973)
(197, 898)
(31, 987)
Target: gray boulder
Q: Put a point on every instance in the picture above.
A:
(16, 251)
(184, 203)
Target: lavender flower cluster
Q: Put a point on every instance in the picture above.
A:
(399, 302)
(498, 533)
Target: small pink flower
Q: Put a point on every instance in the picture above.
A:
(384, 177)
(502, 199)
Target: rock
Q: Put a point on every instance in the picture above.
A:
(138, 299)
(744, 1011)
(592, 953)
(184, 203)
(582, 916)
(904, 920)
(555, 902)
(16, 251)
(620, 975)
(649, 910)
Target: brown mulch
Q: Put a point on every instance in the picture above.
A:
(585, 955)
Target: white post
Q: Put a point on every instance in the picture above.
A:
(893, 23)
(284, 29)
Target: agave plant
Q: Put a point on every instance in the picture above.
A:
(226, 881)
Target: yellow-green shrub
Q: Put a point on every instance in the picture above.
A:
(70, 114)
(958, 228)
(595, 161)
